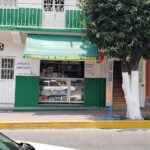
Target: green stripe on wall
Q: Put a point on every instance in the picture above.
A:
(94, 92)
(27, 91)
(21, 17)
(72, 18)
(70, 31)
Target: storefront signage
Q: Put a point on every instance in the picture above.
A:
(68, 58)
(24, 69)
(1, 46)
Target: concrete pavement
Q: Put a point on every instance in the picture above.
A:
(69, 119)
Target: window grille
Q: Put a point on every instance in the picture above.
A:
(48, 5)
(54, 5)
(7, 68)
(59, 5)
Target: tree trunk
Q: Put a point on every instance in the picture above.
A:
(130, 87)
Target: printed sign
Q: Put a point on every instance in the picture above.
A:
(89, 69)
(26, 68)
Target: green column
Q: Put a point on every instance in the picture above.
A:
(94, 92)
(27, 91)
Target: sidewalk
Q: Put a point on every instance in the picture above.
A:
(85, 115)
(69, 119)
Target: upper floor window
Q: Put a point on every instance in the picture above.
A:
(7, 68)
(54, 5)
(8, 3)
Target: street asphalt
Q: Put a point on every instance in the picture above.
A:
(87, 139)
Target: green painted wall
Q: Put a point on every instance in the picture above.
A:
(94, 92)
(27, 91)
(102, 93)
(21, 17)
(17, 28)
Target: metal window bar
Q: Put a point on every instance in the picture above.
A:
(7, 68)
(69, 20)
(21, 17)
(36, 17)
(29, 19)
(6, 16)
(9, 16)
(80, 23)
(14, 17)
(32, 16)
(18, 17)
(35, 12)
(25, 18)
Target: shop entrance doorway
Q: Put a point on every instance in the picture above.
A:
(118, 95)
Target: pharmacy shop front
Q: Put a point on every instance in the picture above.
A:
(67, 73)
(61, 82)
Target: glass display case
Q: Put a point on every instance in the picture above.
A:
(53, 90)
(76, 91)
(61, 82)
(61, 90)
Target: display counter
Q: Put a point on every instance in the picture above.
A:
(61, 82)
(61, 90)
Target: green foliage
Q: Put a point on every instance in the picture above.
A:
(119, 26)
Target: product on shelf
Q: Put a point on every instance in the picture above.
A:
(44, 98)
(72, 99)
(51, 98)
(62, 69)
(56, 90)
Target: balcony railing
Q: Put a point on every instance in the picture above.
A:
(51, 16)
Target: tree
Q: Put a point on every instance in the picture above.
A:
(122, 28)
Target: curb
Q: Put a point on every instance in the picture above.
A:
(75, 124)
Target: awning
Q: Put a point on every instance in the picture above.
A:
(64, 48)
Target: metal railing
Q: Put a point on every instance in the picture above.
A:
(40, 15)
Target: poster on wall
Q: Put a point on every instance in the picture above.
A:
(27, 68)
(90, 70)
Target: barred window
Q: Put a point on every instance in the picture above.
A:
(48, 5)
(7, 68)
(54, 5)
(59, 5)
(8, 3)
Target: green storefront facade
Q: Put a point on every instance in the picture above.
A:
(65, 44)
(27, 87)
(27, 93)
